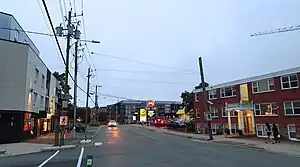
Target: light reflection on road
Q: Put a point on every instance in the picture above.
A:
(113, 134)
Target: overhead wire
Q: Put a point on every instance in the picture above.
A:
(58, 45)
(148, 81)
(84, 34)
(141, 62)
(140, 71)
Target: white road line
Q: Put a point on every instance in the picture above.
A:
(97, 131)
(47, 160)
(145, 135)
(98, 143)
(80, 158)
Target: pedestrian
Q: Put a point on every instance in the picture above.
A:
(275, 133)
(268, 130)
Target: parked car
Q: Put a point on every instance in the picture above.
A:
(80, 128)
(159, 122)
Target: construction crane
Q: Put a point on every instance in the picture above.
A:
(279, 30)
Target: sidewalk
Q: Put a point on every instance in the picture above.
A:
(285, 147)
(21, 148)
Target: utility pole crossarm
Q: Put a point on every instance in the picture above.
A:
(279, 30)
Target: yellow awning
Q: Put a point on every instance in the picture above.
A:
(180, 112)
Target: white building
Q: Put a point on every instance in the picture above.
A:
(26, 84)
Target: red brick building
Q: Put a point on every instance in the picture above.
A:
(251, 102)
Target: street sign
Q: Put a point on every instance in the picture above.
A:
(63, 120)
(151, 113)
(65, 104)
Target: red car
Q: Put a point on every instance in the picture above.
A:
(159, 122)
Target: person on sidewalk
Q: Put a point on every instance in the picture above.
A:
(269, 131)
(275, 133)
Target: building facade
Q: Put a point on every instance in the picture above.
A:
(25, 85)
(127, 111)
(246, 105)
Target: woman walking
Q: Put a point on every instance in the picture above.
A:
(275, 133)
(269, 130)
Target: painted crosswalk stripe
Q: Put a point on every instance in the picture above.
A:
(98, 143)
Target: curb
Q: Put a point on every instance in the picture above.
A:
(25, 153)
(3, 151)
(55, 148)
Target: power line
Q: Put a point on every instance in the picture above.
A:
(84, 34)
(159, 72)
(118, 97)
(31, 32)
(58, 45)
(148, 81)
(141, 62)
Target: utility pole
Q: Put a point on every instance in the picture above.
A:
(87, 103)
(66, 88)
(96, 101)
(75, 88)
(206, 109)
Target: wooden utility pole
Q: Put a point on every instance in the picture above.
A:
(206, 108)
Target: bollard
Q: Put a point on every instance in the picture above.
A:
(89, 161)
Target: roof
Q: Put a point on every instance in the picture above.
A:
(251, 79)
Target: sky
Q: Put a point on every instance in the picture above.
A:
(168, 36)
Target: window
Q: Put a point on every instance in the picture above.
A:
(263, 85)
(292, 108)
(214, 128)
(228, 91)
(232, 113)
(197, 98)
(266, 109)
(212, 94)
(43, 81)
(34, 98)
(42, 101)
(292, 131)
(289, 81)
(214, 112)
(37, 73)
(261, 130)
(197, 113)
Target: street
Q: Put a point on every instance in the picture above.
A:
(129, 146)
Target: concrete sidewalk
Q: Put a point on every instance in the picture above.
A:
(285, 147)
(21, 148)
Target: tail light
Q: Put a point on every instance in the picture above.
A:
(155, 121)
(162, 121)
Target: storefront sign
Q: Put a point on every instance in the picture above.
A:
(239, 106)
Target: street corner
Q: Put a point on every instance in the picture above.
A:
(85, 141)
(2, 151)
(55, 148)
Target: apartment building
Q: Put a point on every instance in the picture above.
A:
(26, 85)
(246, 105)
(126, 110)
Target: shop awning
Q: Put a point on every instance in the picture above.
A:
(180, 112)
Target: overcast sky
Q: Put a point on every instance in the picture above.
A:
(171, 33)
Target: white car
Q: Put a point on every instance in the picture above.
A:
(112, 123)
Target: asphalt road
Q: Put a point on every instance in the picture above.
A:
(127, 146)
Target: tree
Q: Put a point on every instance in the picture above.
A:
(187, 101)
